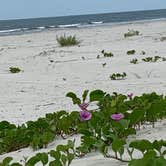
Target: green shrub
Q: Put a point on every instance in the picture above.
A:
(67, 40)
(131, 52)
(134, 61)
(107, 54)
(14, 69)
(118, 76)
(131, 33)
(151, 59)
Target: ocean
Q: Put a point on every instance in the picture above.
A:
(20, 26)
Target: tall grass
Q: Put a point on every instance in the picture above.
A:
(67, 40)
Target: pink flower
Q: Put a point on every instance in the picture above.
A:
(130, 95)
(85, 115)
(84, 106)
(117, 117)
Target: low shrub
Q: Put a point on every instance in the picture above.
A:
(14, 69)
(151, 59)
(107, 54)
(67, 40)
(131, 33)
(131, 52)
(118, 76)
(134, 61)
(104, 129)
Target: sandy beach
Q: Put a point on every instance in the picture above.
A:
(50, 71)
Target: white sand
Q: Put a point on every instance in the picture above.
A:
(41, 87)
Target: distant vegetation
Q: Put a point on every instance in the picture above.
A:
(131, 52)
(151, 59)
(134, 61)
(14, 69)
(107, 54)
(118, 76)
(131, 33)
(67, 40)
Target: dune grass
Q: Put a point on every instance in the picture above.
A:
(65, 41)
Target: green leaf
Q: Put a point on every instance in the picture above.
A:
(61, 148)
(164, 152)
(43, 158)
(7, 160)
(55, 163)
(136, 162)
(70, 144)
(142, 145)
(96, 95)
(32, 161)
(84, 96)
(85, 132)
(158, 145)
(118, 145)
(136, 116)
(160, 162)
(150, 154)
(55, 154)
(64, 159)
(16, 164)
(74, 98)
(70, 157)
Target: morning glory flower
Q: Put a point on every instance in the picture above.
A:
(117, 117)
(83, 106)
(130, 95)
(85, 115)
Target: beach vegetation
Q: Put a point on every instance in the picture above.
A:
(105, 128)
(134, 61)
(131, 33)
(151, 59)
(14, 69)
(131, 52)
(118, 76)
(67, 40)
(107, 54)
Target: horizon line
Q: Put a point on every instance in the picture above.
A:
(42, 17)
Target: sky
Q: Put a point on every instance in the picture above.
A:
(15, 9)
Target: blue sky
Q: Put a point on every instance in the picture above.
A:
(11, 9)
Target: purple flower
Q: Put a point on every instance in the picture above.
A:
(84, 106)
(85, 115)
(130, 95)
(117, 117)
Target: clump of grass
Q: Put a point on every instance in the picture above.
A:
(131, 52)
(151, 59)
(67, 40)
(118, 76)
(107, 54)
(14, 69)
(134, 61)
(131, 33)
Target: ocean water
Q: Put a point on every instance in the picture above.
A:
(20, 26)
